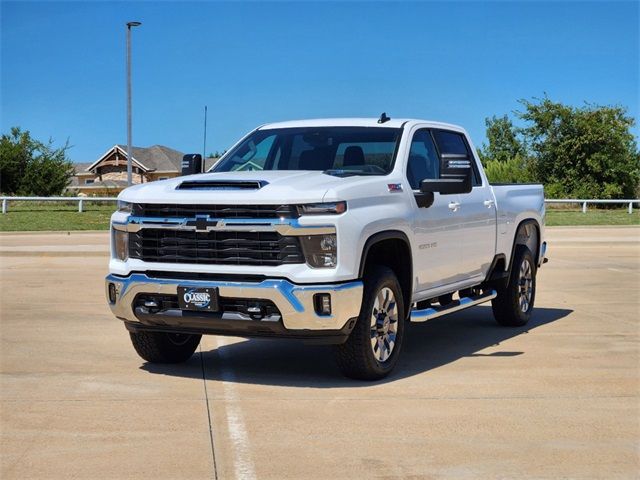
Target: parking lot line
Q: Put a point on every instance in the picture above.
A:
(559, 398)
(242, 463)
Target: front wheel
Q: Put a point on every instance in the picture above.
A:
(160, 347)
(514, 303)
(372, 349)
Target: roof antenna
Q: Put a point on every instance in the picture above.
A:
(204, 146)
(383, 118)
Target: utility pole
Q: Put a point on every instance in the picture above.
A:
(129, 167)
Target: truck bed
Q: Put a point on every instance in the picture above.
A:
(514, 203)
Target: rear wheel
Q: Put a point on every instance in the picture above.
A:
(160, 347)
(514, 304)
(372, 349)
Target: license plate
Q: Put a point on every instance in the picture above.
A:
(199, 299)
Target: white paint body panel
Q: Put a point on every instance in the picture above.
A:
(466, 240)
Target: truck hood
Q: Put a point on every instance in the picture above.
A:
(277, 187)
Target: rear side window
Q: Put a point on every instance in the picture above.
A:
(454, 143)
(450, 142)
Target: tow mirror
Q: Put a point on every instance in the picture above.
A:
(455, 176)
(191, 163)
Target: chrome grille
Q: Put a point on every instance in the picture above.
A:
(214, 247)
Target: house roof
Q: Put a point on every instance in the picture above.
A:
(210, 162)
(81, 167)
(156, 157)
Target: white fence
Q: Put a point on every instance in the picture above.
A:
(81, 200)
(584, 202)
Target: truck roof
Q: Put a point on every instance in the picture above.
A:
(358, 122)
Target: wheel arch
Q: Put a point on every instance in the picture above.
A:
(392, 249)
(528, 234)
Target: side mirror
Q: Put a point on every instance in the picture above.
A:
(455, 176)
(191, 164)
(448, 186)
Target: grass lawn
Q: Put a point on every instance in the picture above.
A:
(56, 216)
(30, 216)
(565, 217)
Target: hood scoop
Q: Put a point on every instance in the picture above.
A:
(222, 185)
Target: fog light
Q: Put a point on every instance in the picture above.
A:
(121, 244)
(322, 303)
(112, 292)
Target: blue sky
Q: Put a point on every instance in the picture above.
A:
(63, 64)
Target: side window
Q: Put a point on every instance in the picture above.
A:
(454, 142)
(423, 159)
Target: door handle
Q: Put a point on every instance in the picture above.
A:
(454, 206)
(489, 203)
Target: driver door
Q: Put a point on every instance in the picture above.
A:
(436, 228)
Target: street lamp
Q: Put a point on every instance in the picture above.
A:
(129, 168)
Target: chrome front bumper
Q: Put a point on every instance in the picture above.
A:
(295, 302)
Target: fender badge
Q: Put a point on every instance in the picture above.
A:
(394, 187)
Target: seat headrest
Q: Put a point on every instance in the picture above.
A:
(353, 156)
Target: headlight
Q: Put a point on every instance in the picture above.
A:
(121, 244)
(124, 207)
(331, 208)
(320, 250)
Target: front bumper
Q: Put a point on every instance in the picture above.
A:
(295, 304)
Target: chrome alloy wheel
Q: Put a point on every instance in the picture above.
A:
(525, 285)
(384, 324)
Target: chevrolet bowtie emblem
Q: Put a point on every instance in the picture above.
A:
(202, 223)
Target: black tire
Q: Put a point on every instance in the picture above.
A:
(509, 308)
(356, 358)
(159, 347)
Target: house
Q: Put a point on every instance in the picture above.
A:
(108, 174)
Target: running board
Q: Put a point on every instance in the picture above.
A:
(456, 305)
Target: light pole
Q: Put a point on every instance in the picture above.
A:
(129, 168)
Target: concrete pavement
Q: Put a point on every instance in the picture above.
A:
(558, 399)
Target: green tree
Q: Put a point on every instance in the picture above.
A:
(513, 170)
(216, 154)
(583, 152)
(15, 152)
(31, 167)
(504, 144)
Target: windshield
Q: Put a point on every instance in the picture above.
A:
(334, 150)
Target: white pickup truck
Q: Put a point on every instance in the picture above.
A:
(336, 231)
